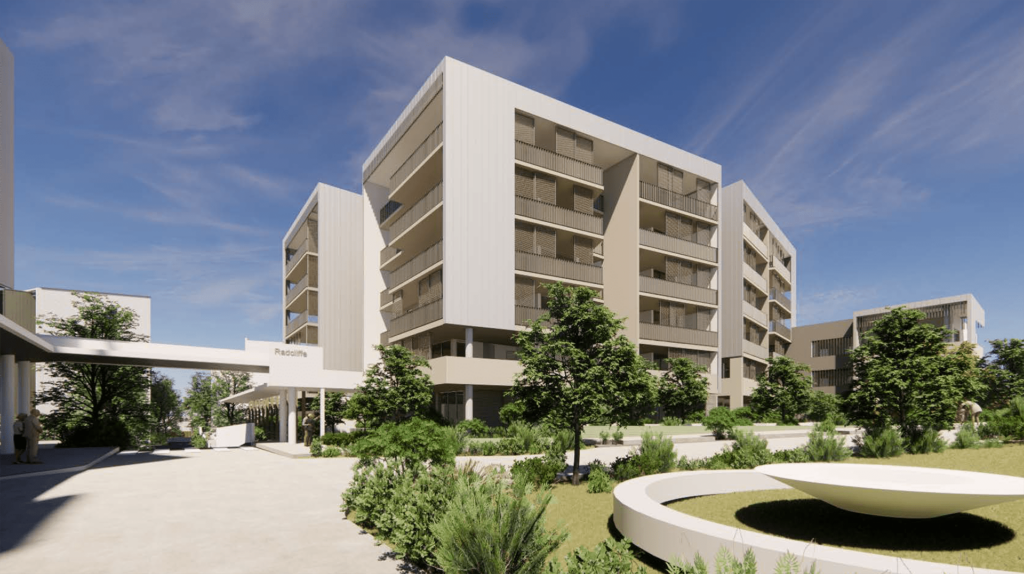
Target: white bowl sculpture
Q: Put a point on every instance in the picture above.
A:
(897, 491)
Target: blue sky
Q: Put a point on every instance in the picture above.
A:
(163, 148)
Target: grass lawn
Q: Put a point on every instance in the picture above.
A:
(991, 537)
(594, 431)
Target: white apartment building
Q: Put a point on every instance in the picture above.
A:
(758, 293)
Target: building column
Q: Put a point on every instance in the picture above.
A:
(323, 421)
(25, 369)
(468, 396)
(282, 416)
(8, 380)
(292, 432)
(469, 342)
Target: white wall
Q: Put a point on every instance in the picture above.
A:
(340, 245)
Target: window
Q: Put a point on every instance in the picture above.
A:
(723, 401)
(831, 347)
(451, 406)
(725, 368)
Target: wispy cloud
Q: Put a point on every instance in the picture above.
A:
(833, 305)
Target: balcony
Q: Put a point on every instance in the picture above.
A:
(755, 278)
(425, 260)
(296, 289)
(562, 268)
(565, 165)
(683, 247)
(416, 318)
(755, 314)
(671, 334)
(777, 267)
(755, 241)
(299, 321)
(387, 211)
(418, 156)
(388, 253)
(779, 328)
(779, 297)
(559, 215)
(755, 350)
(655, 286)
(385, 298)
(691, 205)
(296, 257)
(527, 315)
(417, 211)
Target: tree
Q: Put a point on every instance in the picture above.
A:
(201, 403)
(394, 389)
(902, 376)
(334, 409)
(783, 389)
(97, 405)
(962, 366)
(227, 383)
(580, 370)
(683, 389)
(1003, 372)
(165, 406)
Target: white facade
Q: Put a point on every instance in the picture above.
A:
(961, 314)
(6, 167)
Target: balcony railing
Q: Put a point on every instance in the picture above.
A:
(754, 349)
(780, 298)
(755, 278)
(559, 215)
(664, 242)
(387, 211)
(427, 258)
(781, 270)
(527, 315)
(416, 318)
(428, 146)
(782, 329)
(651, 192)
(665, 288)
(385, 298)
(558, 268)
(755, 313)
(417, 211)
(296, 257)
(669, 333)
(297, 322)
(388, 253)
(560, 163)
(299, 287)
(756, 241)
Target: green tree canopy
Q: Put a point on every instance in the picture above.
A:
(1003, 372)
(165, 405)
(784, 389)
(201, 403)
(683, 389)
(580, 370)
(227, 383)
(394, 389)
(904, 376)
(96, 405)
(334, 409)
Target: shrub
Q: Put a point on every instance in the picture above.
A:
(512, 412)
(748, 451)
(331, 452)
(791, 455)
(537, 472)
(745, 416)
(721, 422)
(608, 557)
(342, 439)
(672, 421)
(315, 448)
(488, 530)
(454, 439)
(727, 563)
(198, 441)
(881, 443)
(925, 441)
(259, 435)
(604, 436)
(371, 488)
(618, 435)
(474, 427)
(824, 445)
(412, 442)
(966, 437)
(697, 417)
(678, 566)
(655, 455)
(825, 406)
(598, 480)
(522, 438)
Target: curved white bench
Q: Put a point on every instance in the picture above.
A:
(641, 516)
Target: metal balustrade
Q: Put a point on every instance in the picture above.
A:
(296, 257)
(527, 315)
(559, 215)
(666, 288)
(430, 143)
(673, 334)
(778, 267)
(560, 163)
(686, 203)
(385, 298)
(664, 242)
(387, 211)
(755, 278)
(780, 298)
(417, 211)
(558, 268)
(388, 253)
(417, 265)
(297, 322)
(417, 317)
(755, 349)
(755, 313)
(293, 293)
(781, 329)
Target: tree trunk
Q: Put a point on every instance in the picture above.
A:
(576, 458)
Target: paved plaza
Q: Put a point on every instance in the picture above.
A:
(214, 511)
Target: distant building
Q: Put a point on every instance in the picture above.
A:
(825, 346)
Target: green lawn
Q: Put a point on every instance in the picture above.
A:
(991, 537)
(593, 431)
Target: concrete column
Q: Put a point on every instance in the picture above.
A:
(468, 396)
(292, 432)
(8, 380)
(282, 416)
(323, 421)
(25, 369)
(469, 342)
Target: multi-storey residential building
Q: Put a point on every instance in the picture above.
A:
(484, 192)
(6, 167)
(758, 293)
(825, 346)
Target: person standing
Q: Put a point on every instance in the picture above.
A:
(33, 428)
(19, 437)
(307, 428)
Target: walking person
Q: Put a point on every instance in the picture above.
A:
(19, 437)
(33, 428)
